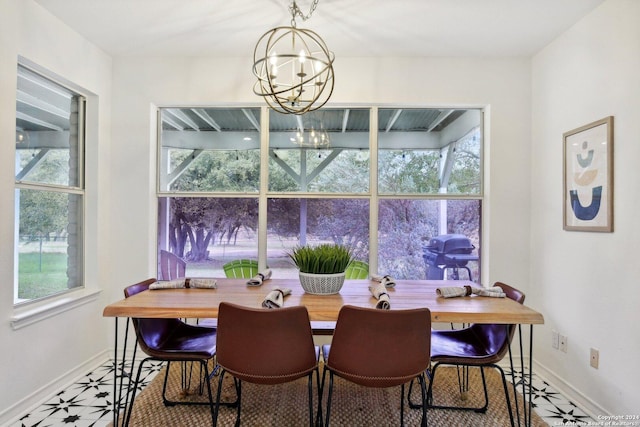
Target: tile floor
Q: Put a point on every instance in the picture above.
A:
(88, 403)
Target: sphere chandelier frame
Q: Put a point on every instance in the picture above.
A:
(294, 67)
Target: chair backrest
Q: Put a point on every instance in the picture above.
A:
(496, 337)
(241, 268)
(171, 266)
(265, 346)
(380, 348)
(357, 270)
(151, 333)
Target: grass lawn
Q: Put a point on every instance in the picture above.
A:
(42, 274)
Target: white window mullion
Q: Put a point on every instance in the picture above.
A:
(373, 186)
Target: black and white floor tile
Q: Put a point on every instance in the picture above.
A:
(88, 402)
(554, 408)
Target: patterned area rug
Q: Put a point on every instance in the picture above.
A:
(286, 405)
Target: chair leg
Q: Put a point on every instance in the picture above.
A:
(506, 395)
(329, 397)
(239, 392)
(486, 394)
(134, 390)
(402, 405)
(166, 401)
(218, 393)
(203, 366)
(481, 409)
(320, 391)
(310, 386)
(236, 383)
(423, 393)
(413, 405)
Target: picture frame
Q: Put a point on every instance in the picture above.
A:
(588, 177)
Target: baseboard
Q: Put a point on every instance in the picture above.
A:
(11, 415)
(590, 407)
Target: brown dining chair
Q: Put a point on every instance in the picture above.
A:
(479, 345)
(265, 346)
(379, 348)
(171, 340)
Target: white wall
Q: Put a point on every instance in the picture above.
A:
(501, 85)
(35, 356)
(587, 284)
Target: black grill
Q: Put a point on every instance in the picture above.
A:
(448, 251)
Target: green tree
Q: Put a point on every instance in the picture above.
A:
(205, 221)
(42, 213)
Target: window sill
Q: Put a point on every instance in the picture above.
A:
(25, 316)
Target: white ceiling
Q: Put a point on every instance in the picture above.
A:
(462, 28)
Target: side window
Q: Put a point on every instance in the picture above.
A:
(49, 187)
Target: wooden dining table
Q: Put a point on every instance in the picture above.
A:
(323, 309)
(407, 294)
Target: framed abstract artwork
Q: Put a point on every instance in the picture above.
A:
(588, 177)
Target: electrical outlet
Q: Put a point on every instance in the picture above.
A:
(563, 343)
(555, 340)
(594, 358)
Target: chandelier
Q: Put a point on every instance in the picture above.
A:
(294, 67)
(313, 135)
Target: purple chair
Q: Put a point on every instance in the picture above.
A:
(172, 340)
(479, 345)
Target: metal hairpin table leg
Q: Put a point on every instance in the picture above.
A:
(115, 378)
(120, 372)
(526, 382)
(530, 370)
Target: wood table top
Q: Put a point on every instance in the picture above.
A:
(407, 294)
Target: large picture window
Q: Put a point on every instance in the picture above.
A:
(316, 178)
(49, 187)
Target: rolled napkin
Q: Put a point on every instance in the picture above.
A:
(202, 283)
(464, 291)
(259, 278)
(386, 280)
(453, 291)
(170, 284)
(494, 291)
(380, 293)
(275, 298)
(185, 282)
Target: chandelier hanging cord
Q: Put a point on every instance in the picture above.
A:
(296, 11)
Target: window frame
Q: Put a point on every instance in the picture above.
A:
(30, 310)
(373, 194)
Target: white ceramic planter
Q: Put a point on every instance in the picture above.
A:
(322, 284)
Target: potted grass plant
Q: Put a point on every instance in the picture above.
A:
(321, 267)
